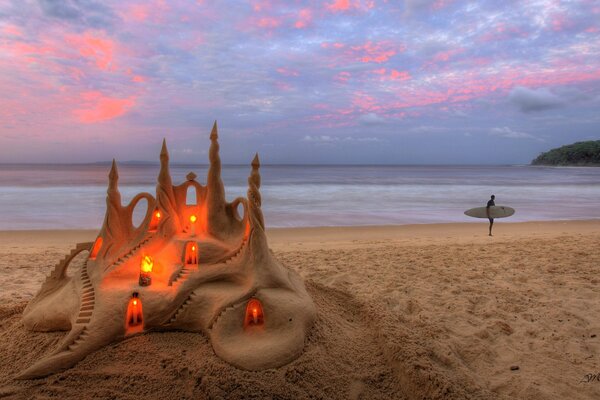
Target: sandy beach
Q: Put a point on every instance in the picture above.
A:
(437, 311)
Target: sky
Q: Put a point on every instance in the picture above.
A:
(318, 82)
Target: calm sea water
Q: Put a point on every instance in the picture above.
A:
(73, 196)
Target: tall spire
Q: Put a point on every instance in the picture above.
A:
(214, 171)
(113, 231)
(113, 176)
(254, 197)
(165, 196)
(255, 175)
(215, 197)
(213, 133)
(164, 177)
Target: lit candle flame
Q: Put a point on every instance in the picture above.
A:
(147, 264)
(135, 302)
(255, 315)
(193, 218)
(157, 214)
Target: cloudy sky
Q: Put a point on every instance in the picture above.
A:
(338, 81)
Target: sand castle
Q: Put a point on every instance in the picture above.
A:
(198, 267)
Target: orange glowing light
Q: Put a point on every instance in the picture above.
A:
(254, 314)
(134, 322)
(96, 248)
(193, 248)
(147, 264)
(157, 214)
(193, 218)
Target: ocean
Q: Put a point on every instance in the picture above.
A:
(73, 196)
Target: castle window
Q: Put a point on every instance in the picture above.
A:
(135, 318)
(254, 314)
(191, 253)
(96, 248)
(156, 217)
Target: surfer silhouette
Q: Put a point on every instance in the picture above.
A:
(487, 210)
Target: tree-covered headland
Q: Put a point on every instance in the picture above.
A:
(576, 154)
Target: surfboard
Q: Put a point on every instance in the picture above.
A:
(495, 212)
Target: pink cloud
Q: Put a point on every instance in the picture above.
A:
(502, 31)
(304, 18)
(446, 55)
(439, 4)
(339, 5)
(98, 108)
(283, 86)
(287, 71)
(347, 5)
(138, 12)
(375, 52)
(343, 77)
(335, 45)
(138, 79)
(12, 30)
(399, 75)
(268, 22)
(560, 22)
(94, 47)
(393, 74)
(365, 102)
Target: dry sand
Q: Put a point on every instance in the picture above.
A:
(422, 311)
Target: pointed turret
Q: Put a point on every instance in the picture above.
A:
(254, 198)
(165, 196)
(113, 230)
(213, 133)
(113, 177)
(255, 173)
(215, 198)
(113, 185)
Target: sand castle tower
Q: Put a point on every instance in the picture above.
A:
(200, 267)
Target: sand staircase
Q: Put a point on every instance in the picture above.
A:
(87, 297)
(182, 307)
(78, 340)
(239, 303)
(183, 273)
(60, 269)
(131, 253)
(236, 255)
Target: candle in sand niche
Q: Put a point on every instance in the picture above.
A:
(145, 270)
(193, 220)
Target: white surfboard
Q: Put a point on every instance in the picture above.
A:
(495, 212)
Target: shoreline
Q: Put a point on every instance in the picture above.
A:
(281, 236)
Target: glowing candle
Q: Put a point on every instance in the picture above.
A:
(254, 314)
(145, 270)
(193, 220)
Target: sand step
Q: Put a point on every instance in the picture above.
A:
(182, 308)
(82, 320)
(131, 252)
(241, 302)
(237, 254)
(181, 276)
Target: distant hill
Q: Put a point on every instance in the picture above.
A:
(576, 154)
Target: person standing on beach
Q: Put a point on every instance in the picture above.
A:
(487, 210)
